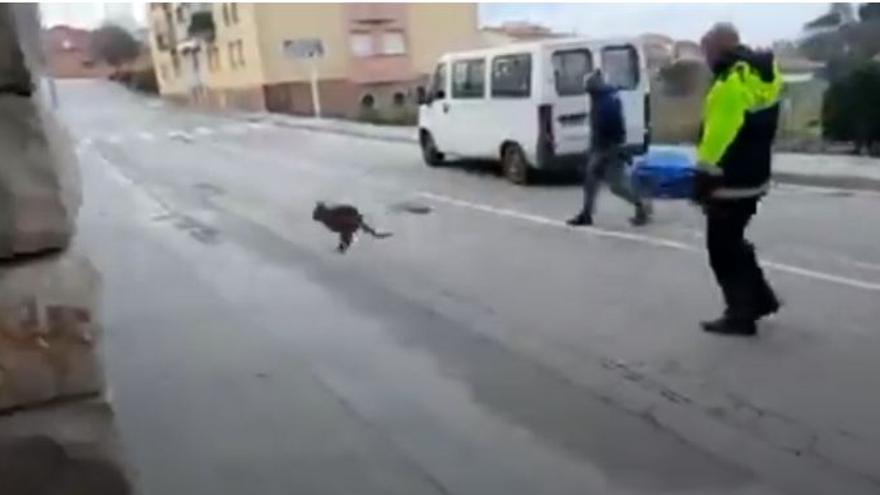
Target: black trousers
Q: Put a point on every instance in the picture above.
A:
(746, 292)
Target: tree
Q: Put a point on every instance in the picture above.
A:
(114, 45)
(851, 108)
(836, 36)
(869, 12)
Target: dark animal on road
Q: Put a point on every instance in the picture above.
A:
(345, 220)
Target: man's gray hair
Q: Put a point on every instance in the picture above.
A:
(722, 33)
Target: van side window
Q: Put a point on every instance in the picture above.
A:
(570, 69)
(512, 76)
(469, 79)
(620, 64)
(438, 85)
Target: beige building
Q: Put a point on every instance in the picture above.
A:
(233, 54)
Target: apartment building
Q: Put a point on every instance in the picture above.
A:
(233, 54)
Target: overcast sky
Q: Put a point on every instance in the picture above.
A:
(759, 23)
(88, 14)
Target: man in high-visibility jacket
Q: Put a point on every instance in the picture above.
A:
(740, 115)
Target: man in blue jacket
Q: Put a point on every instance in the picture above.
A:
(607, 160)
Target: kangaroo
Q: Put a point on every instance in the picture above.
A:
(345, 220)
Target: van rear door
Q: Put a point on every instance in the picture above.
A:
(623, 68)
(570, 105)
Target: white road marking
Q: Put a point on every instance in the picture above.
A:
(822, 253)
(650, 240)
(113, 139)
(146, 136)
(858, 264)
(204, 131)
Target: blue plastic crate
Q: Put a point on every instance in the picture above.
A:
(664, 174)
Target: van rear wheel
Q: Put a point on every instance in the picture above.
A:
(430, 153)
(514, 165)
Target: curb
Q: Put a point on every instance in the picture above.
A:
(347, 132)
(831, 181)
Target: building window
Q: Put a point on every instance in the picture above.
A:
(512, 76)
(393, 43)
(361, 44)
(175, 63)
(368, 102)
(232, 59)
(620, 64)
(213, 58)
(398, 99)
(225, 8)
(239, 50)
(196, 59)
(469, 79)
(179, 14)
(570, 69)
(233, 12)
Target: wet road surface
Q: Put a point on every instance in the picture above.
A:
(483, 349)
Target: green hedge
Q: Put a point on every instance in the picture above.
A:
(851, 110)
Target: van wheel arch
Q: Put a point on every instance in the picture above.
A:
(514, 165)
(432, 156)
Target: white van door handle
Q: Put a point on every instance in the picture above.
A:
(446, 108)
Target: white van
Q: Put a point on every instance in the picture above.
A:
(526, 104)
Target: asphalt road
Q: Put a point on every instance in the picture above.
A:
(484, 349)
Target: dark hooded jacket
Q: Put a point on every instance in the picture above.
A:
(607, 125)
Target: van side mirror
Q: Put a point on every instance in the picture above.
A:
(439, 95)
(421, 96)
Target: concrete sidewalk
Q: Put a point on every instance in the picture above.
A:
(837, 171)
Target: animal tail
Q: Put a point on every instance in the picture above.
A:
(370, 230)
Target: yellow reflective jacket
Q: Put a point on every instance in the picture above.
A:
(740, 115)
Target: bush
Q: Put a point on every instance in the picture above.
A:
(144, 79)
(389, 116)
(137, 78)
(851, 110)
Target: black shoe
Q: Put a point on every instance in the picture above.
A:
(581, 220)
(730, 326)
(642, 217)
(768, 307)
(639, 220)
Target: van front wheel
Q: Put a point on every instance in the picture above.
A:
(430, 153)
(514, 165)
